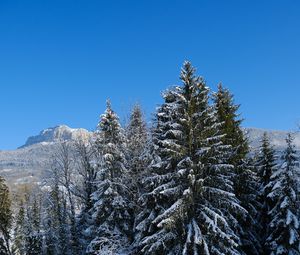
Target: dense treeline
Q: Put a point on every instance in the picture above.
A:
(189, 184)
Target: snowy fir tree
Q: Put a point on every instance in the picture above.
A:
(163, 159)
(137, 137)
(32, 227)
(56, 236)
(247, 190)
(19, 232)
(5, 218)
(266, 165)
(283, 231)
(227, 112)
(137, 152)
(245, 179)
(112, 209)
(189, 205)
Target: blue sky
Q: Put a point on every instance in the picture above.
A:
(61, 59)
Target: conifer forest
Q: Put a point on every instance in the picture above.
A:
(188, 183)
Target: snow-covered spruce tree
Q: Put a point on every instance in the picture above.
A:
(245, 179)
(32, 227)
(266, 165)
(137, 137)
(247, 191)
(56, 236)
(137, 152)
(166, 154)
(112, 208)
(5, 217)
(190, 199)
(227, 112)
(284, 231)
(19, 233)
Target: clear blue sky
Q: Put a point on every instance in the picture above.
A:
(60, 59)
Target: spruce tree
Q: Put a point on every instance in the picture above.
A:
(137, 155)
(245, 179)
(266, 165)
(284, 231)
(227, 112)
(33, 238)
(249, 229)
(112, 209)
(19, 233)
(56, 240)
(5, 217)
(137, 137)
(190, 199)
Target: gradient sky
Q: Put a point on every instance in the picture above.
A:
(61, 59)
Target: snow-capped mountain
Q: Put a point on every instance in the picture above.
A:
(58, 133)
(28, 163)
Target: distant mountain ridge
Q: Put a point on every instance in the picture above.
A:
(29, 163)
(55, 134)
(277, 138)
(65, 133)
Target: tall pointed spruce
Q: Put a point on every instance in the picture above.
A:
(111, 212)
(136, 150)
(190, 199)
(19, 230)
(266, 165)
(56, 236)
(227, 112)
(245, 179)
(284, 231)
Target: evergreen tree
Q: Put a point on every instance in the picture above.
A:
(190, 199)
(5, 217)
(245, 179)
(227, 112)
(137, 136)
(247, 185)
(56, 240)
(19, 234)
(33, 236)
(112, 209)
(266, 165)
(137, 155)
(284, 232)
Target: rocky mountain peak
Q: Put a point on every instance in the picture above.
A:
(55, 134)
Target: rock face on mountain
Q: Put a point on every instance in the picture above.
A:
(29, 163)
(55, 134)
